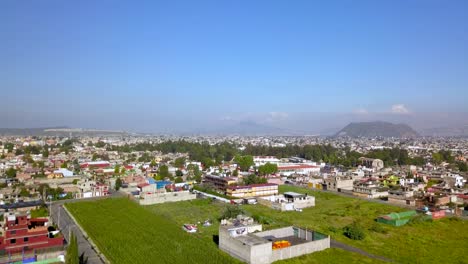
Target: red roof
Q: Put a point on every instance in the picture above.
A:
(141, 185)
(463, 196)
(128, 167)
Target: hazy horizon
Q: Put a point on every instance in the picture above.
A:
(200, 66)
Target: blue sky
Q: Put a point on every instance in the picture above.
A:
(182, 65)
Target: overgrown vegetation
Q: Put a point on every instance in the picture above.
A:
(354, 231)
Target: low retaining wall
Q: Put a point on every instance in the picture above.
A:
(167, 197)
(299, 250)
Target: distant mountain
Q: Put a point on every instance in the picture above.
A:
(57, 131)
(26, 131)
(377, 129)
(452, 131)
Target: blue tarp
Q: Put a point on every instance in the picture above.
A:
(162, 184)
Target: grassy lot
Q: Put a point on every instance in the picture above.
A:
(440, 241)
(125, 231)
(128, 233)
(201, 210)
(331, 255)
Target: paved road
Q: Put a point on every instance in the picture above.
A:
(67, 225)
(336, 244)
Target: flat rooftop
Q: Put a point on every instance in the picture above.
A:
(252, 240)
(293, 194)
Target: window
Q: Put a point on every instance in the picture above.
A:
(13, 232)
(26, 239)
(13, 241)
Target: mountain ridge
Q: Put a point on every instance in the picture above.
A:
(377, 129)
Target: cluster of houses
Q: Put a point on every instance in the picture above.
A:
(91, 170)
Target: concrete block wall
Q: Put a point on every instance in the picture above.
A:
(305, 203)
(281, 232)
(233, 247)
(167, 197)
(299, 250)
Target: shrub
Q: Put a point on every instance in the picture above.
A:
(354, 231)
(231, 211)
(378, 229)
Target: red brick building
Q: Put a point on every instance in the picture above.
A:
(23, 233)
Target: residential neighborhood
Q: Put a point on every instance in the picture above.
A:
(39, 171)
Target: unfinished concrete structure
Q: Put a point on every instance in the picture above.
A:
(236, 240)
(289, 201)
(338, 183)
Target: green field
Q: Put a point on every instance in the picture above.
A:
(440, 241)
(128, 233)
(125, 231)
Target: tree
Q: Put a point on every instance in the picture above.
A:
(163, 171)
(194, 170)
(354, 231)
(179, 173)
(231, 211)
(179, 162)
(117, 169)
(462, 166)
(24, 192)
(437, 158)
(95, 156)
(235, 173)
(72, 256)
(9, 147)
(45, 152)
(11, 173)
(123, 171)
(267, 169)
(244, 162)
(153, 163)
(118, 184)
(254, 179)
(178, 180)
(64, 165)
(100, 144)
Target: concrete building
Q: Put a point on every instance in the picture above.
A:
(375, 164)
(269, 246)
(401, 197)
(288, 169)
(370, 188)
(63, 172)
(253, 190)
(338, 183)
(262, 160)
(21, 233)
(289, 201)
(218, 182)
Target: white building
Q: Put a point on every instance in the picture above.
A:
(287, 169)
(262, 160)
(64, 172)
